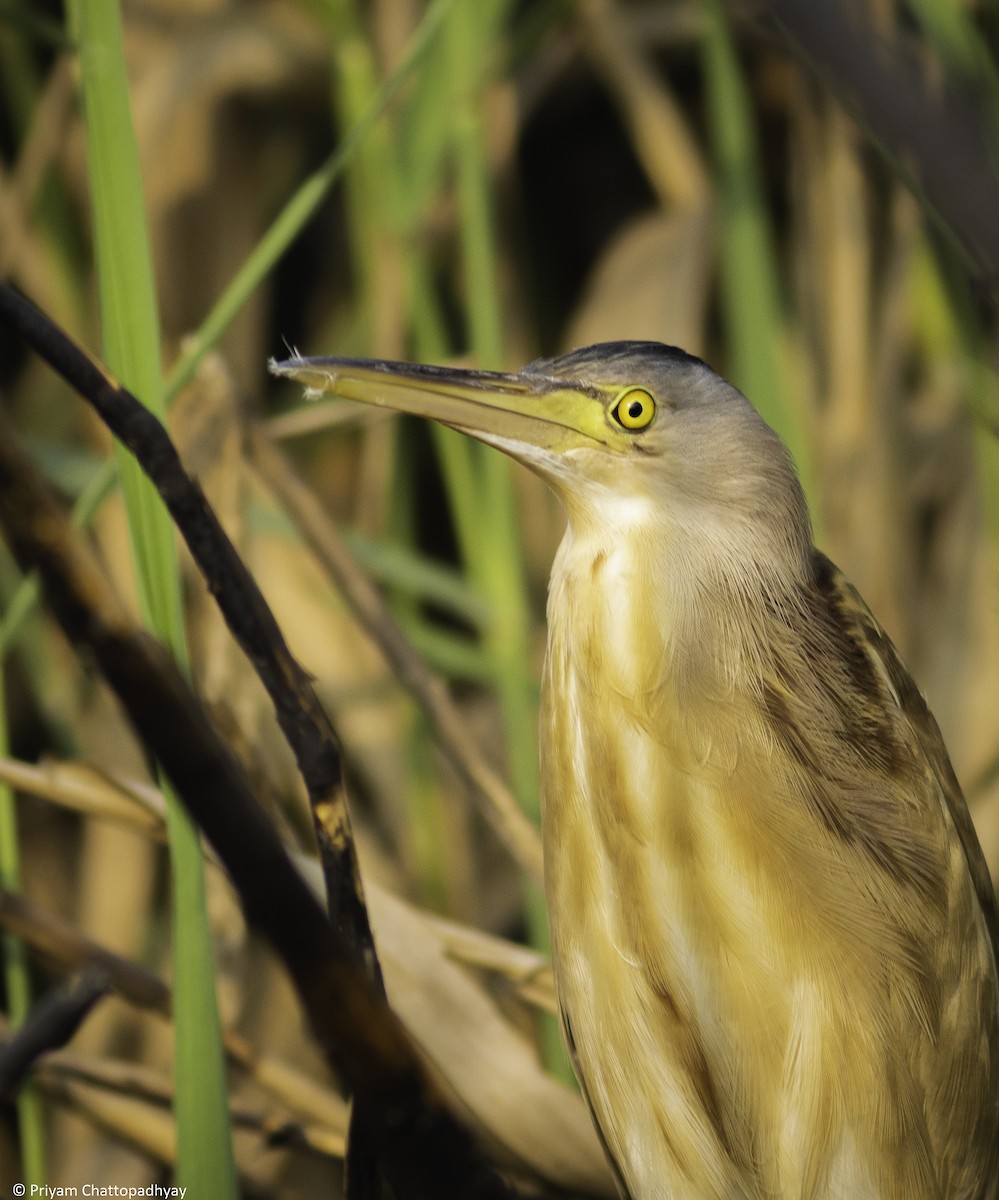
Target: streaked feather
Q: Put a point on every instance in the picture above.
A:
(774, 1005)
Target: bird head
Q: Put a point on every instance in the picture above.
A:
(620, 426)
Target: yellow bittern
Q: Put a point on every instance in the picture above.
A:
(773, 929)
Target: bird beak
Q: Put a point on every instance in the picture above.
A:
(517, 413)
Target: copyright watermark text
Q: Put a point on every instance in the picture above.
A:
(42, 1191)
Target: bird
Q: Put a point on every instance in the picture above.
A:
(774, 933)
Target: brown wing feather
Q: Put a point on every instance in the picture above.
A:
(844, 601)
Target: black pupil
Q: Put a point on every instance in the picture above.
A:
(635, 409)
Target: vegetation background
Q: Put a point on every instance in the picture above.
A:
(480, 180)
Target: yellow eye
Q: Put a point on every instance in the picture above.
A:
(634, 409)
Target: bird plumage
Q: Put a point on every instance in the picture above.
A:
(774, 933)
(798, 950)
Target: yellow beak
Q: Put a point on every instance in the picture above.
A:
(514, 412)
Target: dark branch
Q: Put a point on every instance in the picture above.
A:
(422, 1150)
(50, 1025)
(301, 716)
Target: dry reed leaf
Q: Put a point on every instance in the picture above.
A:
(184, 81)
(652, 281)
(324, 1133)
(490, 1067)
(38, 154)
(527, 971)
(302, 1094)
(145, 1128)
(112, 1075)
(352, 679)
(661, 135)
(116, 881)
(320, 416)
(87, 790)
(132, 1105)
(113, 877)
(226, 112)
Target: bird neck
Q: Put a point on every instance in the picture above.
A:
(652, 606)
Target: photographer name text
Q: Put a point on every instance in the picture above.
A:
(156, 1190)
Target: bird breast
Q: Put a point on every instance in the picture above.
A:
(744, 1011)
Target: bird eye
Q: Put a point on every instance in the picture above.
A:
(634, 409)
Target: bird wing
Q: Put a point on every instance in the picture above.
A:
(866, 631)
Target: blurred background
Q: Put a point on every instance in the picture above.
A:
(484, 182)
